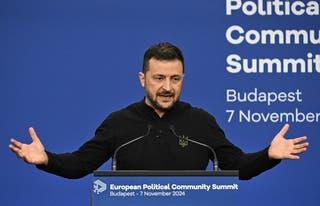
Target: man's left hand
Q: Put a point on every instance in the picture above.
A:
(282, 148)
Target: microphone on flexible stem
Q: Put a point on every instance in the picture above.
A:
(215, 159)
(114, 158)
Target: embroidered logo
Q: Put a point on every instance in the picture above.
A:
(183, 141)
(99, 187)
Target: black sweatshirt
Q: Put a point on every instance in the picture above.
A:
(160, 149)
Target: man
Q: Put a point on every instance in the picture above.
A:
(164, 124)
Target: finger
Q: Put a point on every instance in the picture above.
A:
(300, 146)
(299, 139)
(33, 134)
(293, 157)
(15, 150)
(15, 143)
(299, 151)
(284, 129)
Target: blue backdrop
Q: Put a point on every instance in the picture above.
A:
(66, 64)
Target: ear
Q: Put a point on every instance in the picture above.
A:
(142, 78)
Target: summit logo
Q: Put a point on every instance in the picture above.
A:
(99, 187)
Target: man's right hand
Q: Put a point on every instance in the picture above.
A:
(33, 153)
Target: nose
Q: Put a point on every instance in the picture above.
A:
(167, 85)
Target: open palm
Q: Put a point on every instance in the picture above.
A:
(282, 148)
(33, 153)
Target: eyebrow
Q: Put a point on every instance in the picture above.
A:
(174, 75)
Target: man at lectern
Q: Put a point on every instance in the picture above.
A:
(160, 132)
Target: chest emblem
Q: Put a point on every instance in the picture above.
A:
(183, 141)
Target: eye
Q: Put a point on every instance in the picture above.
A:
(158, 78)
(176, 79)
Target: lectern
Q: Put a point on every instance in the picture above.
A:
(165, 188)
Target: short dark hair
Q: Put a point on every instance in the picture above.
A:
(162, 51)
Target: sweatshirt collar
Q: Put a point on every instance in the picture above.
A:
(149, 110)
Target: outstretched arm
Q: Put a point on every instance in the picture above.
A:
(282, 148)
(33, 153)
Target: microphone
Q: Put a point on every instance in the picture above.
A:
(114, 158)
(215, 159)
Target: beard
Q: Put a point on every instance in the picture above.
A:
(156, 105)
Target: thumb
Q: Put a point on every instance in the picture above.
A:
(33, 134)
(284, 130)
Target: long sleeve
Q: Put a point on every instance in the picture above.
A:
(233, 158)
(249, 164)
(253, 164)
(86, 159)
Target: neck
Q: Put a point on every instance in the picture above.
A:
(160, 114)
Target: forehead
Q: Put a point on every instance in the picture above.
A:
(165, 67)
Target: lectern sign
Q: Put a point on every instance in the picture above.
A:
(164, 188)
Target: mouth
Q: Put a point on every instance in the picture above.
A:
(166, 97)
